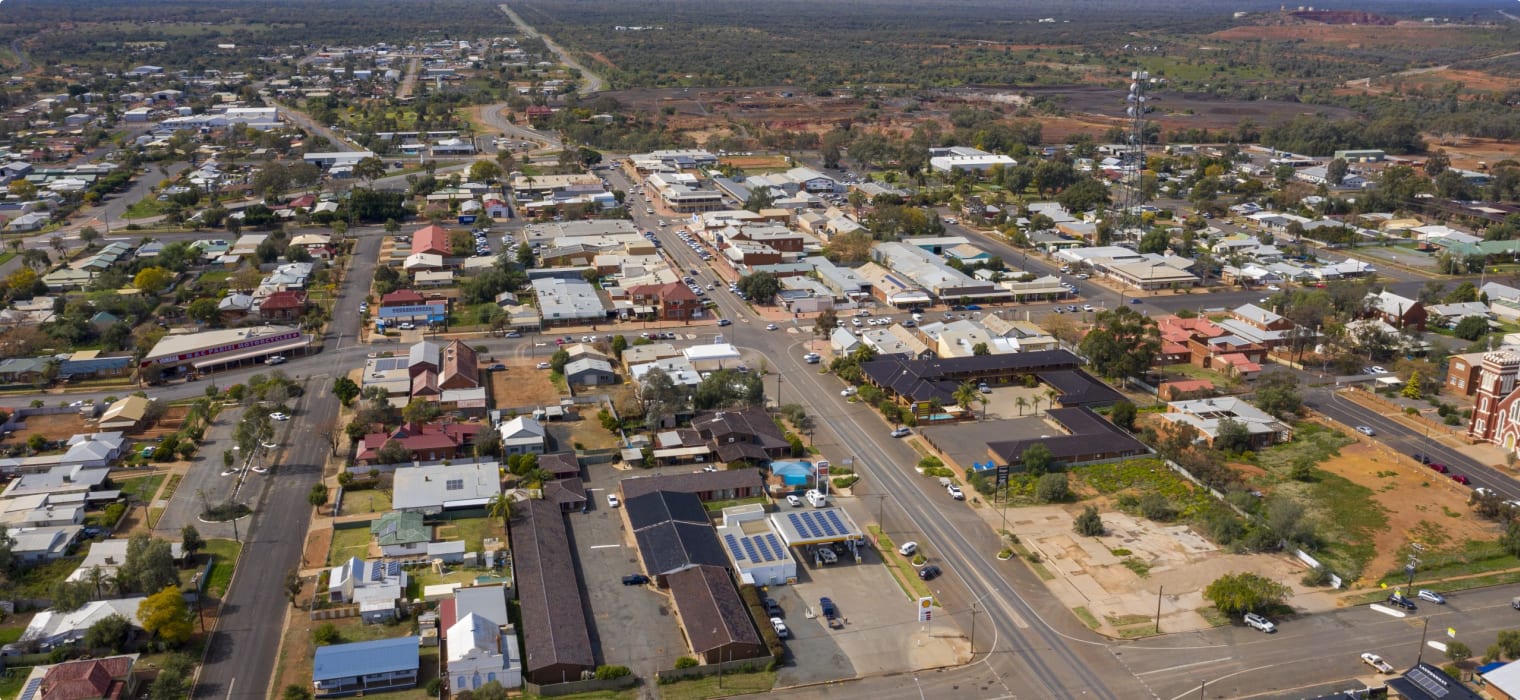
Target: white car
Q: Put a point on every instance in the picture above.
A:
(1274, 288)
(812, 358)
(847, 392)
(793, 501)
(956, 492)
(279, 416)
(780, 627)
(1365, 430)
(407, 326)
(1261, 623)
(544, 365)
(901, 431)
(1376, 662)
(772, 327)
(275, 360)
(907, 549)
(1432, 596)
(612, 500)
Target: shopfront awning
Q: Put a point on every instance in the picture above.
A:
(300, 343)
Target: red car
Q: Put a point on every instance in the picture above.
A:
(1459, 479)
(1439, 468)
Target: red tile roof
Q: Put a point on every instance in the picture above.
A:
(431, 239)
(421, 437)
(1180, 330)
(289, 299)
(79, 680)
(401, 297)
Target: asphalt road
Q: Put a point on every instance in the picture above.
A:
(240, 657)
(590, 82)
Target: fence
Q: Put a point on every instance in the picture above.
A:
(704, 670)
(572, 687)
(334, 613)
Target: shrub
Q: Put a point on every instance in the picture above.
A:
(609, 672)
(1317, 576)
(1089, 523)
(1156, 507)
(433, 686)
(325, 634)
(686, 662)
(1052, 488)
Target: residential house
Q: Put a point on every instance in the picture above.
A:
(590, 372)
(743, 435)
(1397, 311)
(425, 442)
(287, 305)
(377, 587)
(108, 556)
(51, 629)
(435, 488)
(480, 651)
(522, 435)
(25, 370)
(401, 534)
(359, 668)
(106, 678)
(431, 240)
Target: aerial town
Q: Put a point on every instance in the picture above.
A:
(526, 350)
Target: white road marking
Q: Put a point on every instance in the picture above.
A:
(1179, 667)
(1387, 610)
(604, 546)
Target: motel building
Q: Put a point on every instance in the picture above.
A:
(181, 353)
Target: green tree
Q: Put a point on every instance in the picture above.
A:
(825, 323)
(166, 616)
(317, 497)
(293, 586)
(190, 541)
(1458, 652)
(1052, 488)
(759, 198)
(1471, 328)
(558, 360)
(420, 411)
(325, 634)
(1123, 415)
(173, 681)
(1412, 388)
(619, 344)
(965, 395)
(1122, 343)
(1335, 172)
(980, 349)
(111, 632)
(1089, 523)
(1277, 393)
(484, 171)
(1240, 593)
(761, 287)
(1037, 459)
(346, 390)
(204, 310)
(1232, 437)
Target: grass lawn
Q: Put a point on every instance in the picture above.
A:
(12, 680)
(9, 635)
(173, 484)
(141, 489)
(6, 257)
(37, 581)
(901, 568)
(226, 554)
(365, 501)
(352, 542)
(472, 530)
(144, 208)
(717, 506)
(719, 686)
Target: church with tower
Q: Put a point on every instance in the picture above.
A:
(1496, 412)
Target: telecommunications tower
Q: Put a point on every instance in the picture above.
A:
(1134, 160)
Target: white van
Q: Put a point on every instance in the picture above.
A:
(816, 499)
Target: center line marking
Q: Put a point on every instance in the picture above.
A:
(605, 546)
(1182, 666)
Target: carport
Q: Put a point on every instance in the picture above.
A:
(814, 528)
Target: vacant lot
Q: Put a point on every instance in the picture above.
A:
(762, 162)
(522, 385)
(472, 530)
(585, 434)
(60, 426)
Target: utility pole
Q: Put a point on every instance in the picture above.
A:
(1416, 549)
(1159, 591)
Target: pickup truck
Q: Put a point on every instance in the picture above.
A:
(830, 613)
(1376, 662)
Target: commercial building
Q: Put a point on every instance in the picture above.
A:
(219, 348)
(1089, 438)
(568, 301)
(755, 549)
(556, 639)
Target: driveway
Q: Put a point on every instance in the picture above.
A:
(633, 626)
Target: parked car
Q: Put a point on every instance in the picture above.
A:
(772, 608)
(827, 607)
(929, 572)
(612, 500)
(407, 326)
(1376, 662)
(635, 580)
(908, 548)
(956, 492)
(1431, 596)
(793, 501)
(1438, 468)
(812, 358)
(1422, 459)
(848, 391)
(544, 365)
(279, 416)
(780, 627)
(276, 360)
(496, 367)
(1460, 478)
(901, 431)
(1261, 623)
(1398, 600)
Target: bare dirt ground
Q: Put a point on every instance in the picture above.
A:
(318, 541)
(756, 162)
(1401, 35)
(60, 426)
(522, 385)
(1438, 518)
(1467, 153)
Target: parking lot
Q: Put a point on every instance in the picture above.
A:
(633, 626)
(881, 635)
